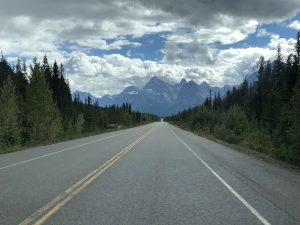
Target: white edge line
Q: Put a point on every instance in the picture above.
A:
(60, 151)
(237, 195)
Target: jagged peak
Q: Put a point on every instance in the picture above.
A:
(191, 82)
(183, 81)
(155, 79)
(205, 84)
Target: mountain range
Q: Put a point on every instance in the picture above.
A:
(160, 97)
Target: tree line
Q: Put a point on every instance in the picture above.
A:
(263, 116)
(36, 107)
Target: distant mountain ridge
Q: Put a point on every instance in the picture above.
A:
(162, 98)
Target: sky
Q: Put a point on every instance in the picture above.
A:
(106, 45)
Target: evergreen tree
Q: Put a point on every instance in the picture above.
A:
(243, 97)
(297, 48)
(21, 85)
(42, 114)
(47, 71)
(55, 82)
(21, 81)
(5, 71)
(9, 124)
(278, 67)
(260, 90)
(64, 98)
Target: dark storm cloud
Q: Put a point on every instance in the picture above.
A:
(197, 12)
(138, 17)
(208, 12)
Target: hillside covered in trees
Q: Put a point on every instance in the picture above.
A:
(37, 107)
(263, 116)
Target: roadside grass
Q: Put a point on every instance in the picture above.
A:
(266, 156)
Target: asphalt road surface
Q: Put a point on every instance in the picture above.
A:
(153, 174)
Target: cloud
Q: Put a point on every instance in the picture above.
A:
(263, 33)
(46, 26)
(69, 31)
(295, 25)
(287, 45)
(190, 54)
(101, 44)
(209, 13)
(89, 23)
(228, 32)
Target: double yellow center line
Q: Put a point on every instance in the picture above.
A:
(44, 213)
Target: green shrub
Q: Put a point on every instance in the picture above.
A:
(220, 131)
(232, 138)
(258, 140)
(236, 123)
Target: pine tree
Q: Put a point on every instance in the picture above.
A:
(21, 84)
(64, 98)
(47, 71)
(5, 71)
(9, 124)
(42, 114)
(274, 93)
(55, 82)
(278, 67)
(260, 90)
(297, 48)
(243, 100)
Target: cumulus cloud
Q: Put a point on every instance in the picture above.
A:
(287, 45)
(295, 25)
(228, 32)
(190, 54)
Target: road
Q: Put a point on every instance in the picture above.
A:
(153, 174)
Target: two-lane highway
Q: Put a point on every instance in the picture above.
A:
(153, 174)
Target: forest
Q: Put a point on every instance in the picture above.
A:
(37, 107)
(263, 116)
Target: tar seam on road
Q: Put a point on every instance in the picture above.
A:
(60, 151)
(236, 194)
(52, 207)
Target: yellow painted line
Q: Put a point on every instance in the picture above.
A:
(44, 213)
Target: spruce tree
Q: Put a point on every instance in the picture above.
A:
(47, 71)
(5, 71)
(42, 114)
(260, 89)
(9, 123)
(21, 81)
(297, 48)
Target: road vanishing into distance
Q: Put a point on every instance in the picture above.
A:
(153, 174)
